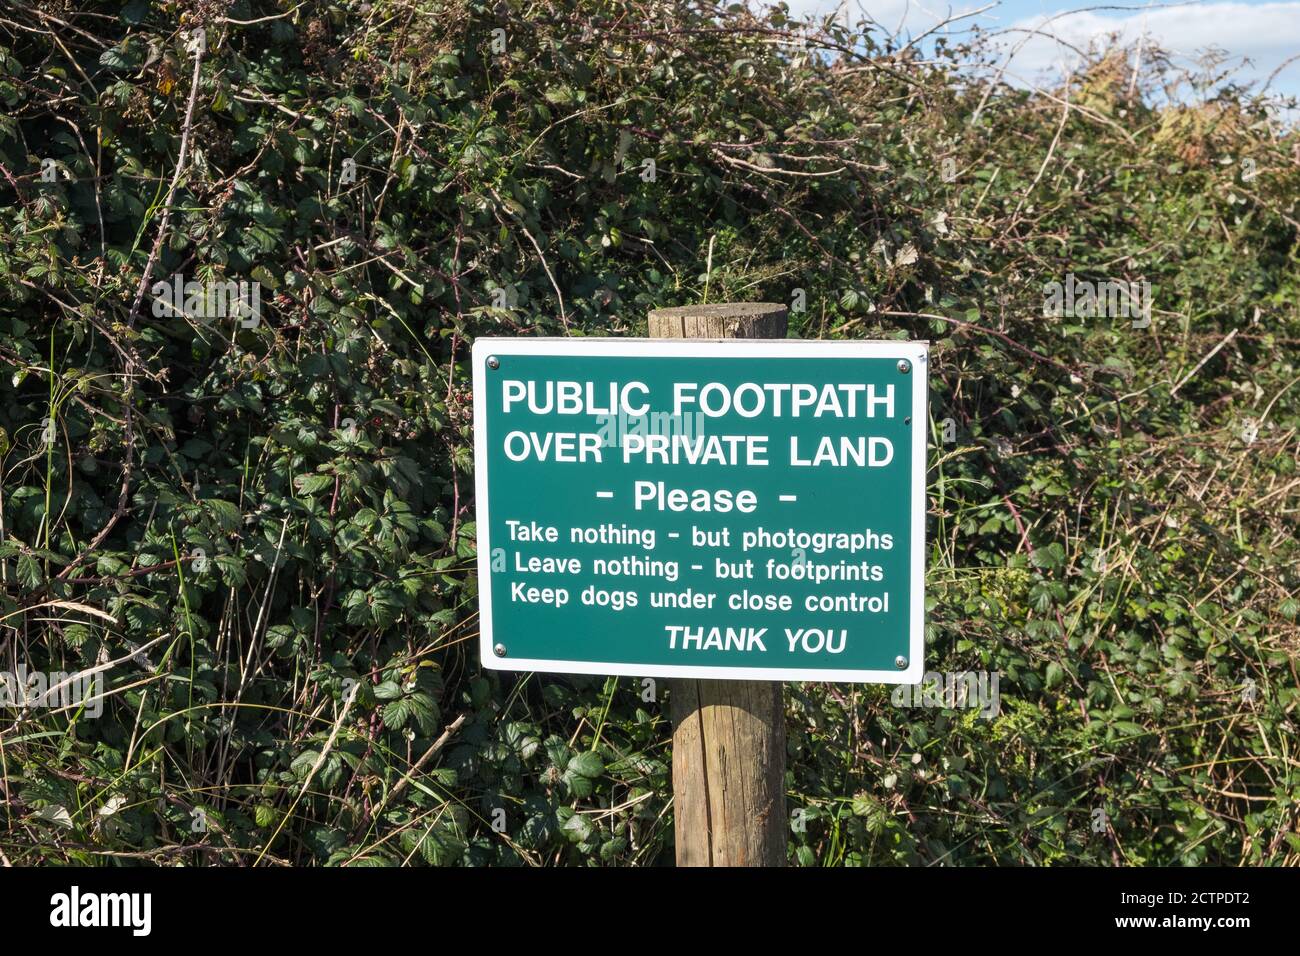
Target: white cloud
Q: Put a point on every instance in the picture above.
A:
(907, 16)
(1264, 33)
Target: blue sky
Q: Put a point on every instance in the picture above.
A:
(1258, 35)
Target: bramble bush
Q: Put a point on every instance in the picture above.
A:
(263, 524)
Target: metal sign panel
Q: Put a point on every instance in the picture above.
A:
(741, 509)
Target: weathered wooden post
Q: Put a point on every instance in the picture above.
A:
(728, 736)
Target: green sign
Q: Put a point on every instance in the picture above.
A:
(718, 509)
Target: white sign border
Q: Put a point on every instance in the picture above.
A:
(915, 352)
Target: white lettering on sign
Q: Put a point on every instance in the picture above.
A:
(553, 446)
(860, 451)
(782, 399)
(716, 638)
(573, 398)
(696, 499)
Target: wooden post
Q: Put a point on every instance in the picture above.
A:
(728, 735)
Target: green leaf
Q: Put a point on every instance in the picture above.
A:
(118, 58)
(313, 484)
(1055, 675)
(30, 574)
(587, 764)
(135, 11)
(226, 513)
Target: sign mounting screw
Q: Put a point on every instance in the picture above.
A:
(499, 650)
(904, 366)
(900, 661)
(493, 362)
